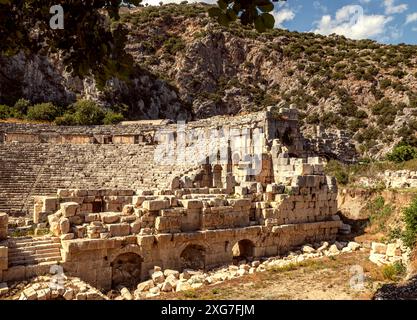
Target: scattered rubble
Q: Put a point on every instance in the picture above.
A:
(173, 281)
(383, 254)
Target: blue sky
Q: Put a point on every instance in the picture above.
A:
(387, 21)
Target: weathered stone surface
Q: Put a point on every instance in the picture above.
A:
(158, 277)
(69, 209)
(145, 286)
(379, 248)
(155, 205)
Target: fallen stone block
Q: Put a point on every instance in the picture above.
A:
(145, 286)
(379, 248)
(110, 217)
(69, 209)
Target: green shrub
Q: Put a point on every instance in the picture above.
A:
(402, 153)
(410, 220)
(113, 117)
(88, 113)
(22, 106)
(379, 212)
(43, 112)
(174, 44)
(394, 272)
(4, 111)
(68, 119)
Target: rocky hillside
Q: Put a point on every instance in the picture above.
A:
(363, 87)
(190, 63)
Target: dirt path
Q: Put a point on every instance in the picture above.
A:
(323, 278)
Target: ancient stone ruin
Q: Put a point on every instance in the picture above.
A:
(119, 200)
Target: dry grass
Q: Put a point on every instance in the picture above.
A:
(322, 278)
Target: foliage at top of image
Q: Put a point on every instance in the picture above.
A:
(249, 12)
(89, 42)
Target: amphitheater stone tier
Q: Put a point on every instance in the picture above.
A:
(119, 200)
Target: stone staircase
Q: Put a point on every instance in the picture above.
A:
(28, 169)
(30, 251)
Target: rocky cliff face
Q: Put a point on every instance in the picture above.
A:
(191, 64)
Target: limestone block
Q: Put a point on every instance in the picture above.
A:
(68, 294)
(377, 258)
(49, 204)
(110, 217)
(183, 286)
(158, 277)
(244, 203)
(135, 227)
(119, 229)
(155, 205)
(92, 217)
(76, 220)
(169, 272)
(86, 208)
(353, 245)
(138, 200)
(379, 248)
(191, 204)
(168, 224)
(241, 190)
(64, 225)
(128, 219)
(128, 210)
(69, 209)
(145, 286)
(393, 250)
(30, 294)
(53, 220)
(125, 293)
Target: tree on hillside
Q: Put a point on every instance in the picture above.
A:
(92, 41)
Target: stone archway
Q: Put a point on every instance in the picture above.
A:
(243, 250)
(126, 270)
(193, 257)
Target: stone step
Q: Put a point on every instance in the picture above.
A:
(33, 261)
(22, 253)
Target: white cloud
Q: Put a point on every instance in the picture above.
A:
(350, 21)
(364, 1)
(391, 8)
(411, 18)
(283, 15)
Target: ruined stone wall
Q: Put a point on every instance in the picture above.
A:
(332, 145)
(400, 179)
